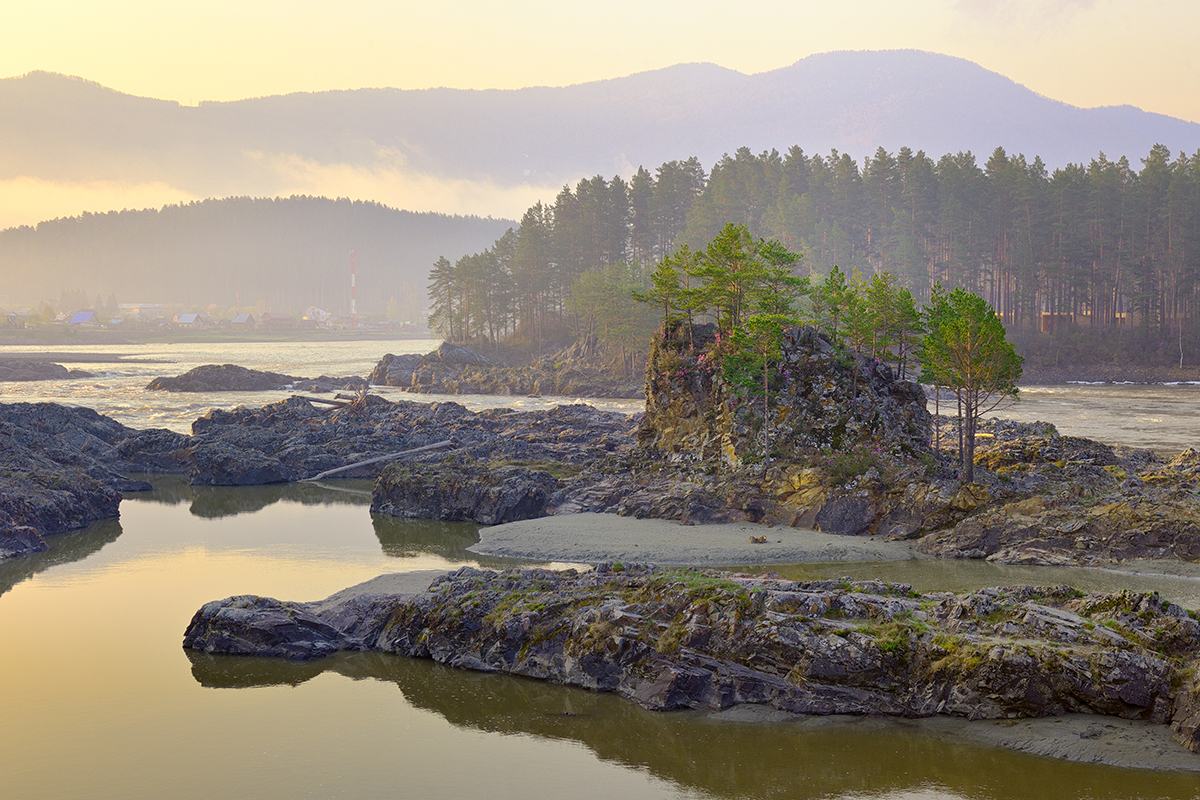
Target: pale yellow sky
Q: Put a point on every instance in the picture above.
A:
(1084, 52)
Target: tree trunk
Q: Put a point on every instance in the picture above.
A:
(968, 470)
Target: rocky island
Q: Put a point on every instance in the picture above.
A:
(233, 378)
(669, 639)
(453, 369)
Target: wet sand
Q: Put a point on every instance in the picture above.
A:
(1133, 744)
(592, 538)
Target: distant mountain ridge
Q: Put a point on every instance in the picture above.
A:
(63, 129)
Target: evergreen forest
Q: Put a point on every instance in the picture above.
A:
(1100, 258)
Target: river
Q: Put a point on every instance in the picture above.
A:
(99, 700)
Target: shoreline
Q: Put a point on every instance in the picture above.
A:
(1081, 738)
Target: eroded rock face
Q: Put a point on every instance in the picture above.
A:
(820, 403)
(689, 639)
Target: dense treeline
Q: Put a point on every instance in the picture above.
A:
(284, 254)
(1099, 248)
(523, 284)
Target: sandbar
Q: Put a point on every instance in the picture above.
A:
(592, 538)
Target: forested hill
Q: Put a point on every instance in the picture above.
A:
(286, 253)
(56, 128)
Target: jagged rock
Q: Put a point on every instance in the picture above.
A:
(459, 492)
(232, 378)
(60, 469)
(689, 639)
(290, 440)
(19, 540)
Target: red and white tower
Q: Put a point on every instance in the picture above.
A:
(353, 293)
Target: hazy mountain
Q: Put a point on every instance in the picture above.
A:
(66, 129)
(287, 253)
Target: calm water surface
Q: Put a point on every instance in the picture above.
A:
(99, 699)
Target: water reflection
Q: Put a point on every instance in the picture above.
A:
(812, 758)
(216, 502)
(64, 548)
(405, 538)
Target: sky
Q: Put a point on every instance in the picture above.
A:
(1083, 52)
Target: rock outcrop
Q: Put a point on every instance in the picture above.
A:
(61, 468)
(291, 440)
(21, 370)
(232, 378)
(689, 639)
(824, 400)
(452, 369)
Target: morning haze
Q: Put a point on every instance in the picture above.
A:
(636, 381)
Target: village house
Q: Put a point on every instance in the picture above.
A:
(276, 320)
(243, 322)
(84, 319)
(193, 321)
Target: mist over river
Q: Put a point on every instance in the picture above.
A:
(99, 700)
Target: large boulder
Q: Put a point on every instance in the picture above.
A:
(455, 354)
(395, 370)
(221, 378)
(461, 492)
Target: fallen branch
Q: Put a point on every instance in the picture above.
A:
(336, 403)
(388, 457)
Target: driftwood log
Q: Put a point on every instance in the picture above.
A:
(377, 459)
